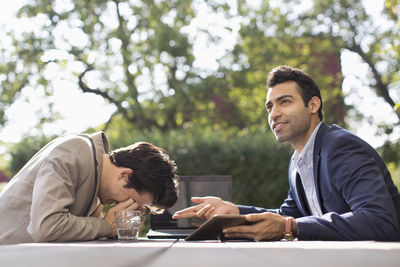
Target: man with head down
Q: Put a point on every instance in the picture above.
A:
(59, 194)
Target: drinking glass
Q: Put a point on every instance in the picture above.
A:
(128, 224)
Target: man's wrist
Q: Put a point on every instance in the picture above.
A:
(290, 231)
(294, 227)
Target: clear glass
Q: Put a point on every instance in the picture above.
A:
(128, 224)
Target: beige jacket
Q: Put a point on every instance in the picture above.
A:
(52, 196)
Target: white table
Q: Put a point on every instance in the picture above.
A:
(164, 253)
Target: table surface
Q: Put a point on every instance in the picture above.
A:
(153, 253)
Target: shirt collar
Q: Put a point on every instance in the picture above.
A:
(306, 154)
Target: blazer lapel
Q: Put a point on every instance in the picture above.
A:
(298, 191)
(316, 163)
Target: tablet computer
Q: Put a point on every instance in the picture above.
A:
(212, 228)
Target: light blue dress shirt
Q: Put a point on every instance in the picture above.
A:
(303, 164)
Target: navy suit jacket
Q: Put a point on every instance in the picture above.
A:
(355, 190)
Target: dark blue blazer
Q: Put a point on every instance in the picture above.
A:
(355, 190)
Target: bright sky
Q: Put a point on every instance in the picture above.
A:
(81, 111)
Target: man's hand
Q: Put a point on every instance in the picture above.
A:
(98, 211)
(208, 207)
(264, 226)
(126, 205)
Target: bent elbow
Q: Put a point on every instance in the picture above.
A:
(42, 231)
(39, 234)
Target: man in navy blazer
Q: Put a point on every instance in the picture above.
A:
(340, 188)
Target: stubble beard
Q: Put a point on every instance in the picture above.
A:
(292, 133)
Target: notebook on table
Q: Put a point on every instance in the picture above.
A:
(162, 226)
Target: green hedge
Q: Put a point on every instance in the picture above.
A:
(257, 163)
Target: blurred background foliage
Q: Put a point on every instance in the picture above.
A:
(257, 163)
(139, 56)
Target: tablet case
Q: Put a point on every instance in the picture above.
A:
(212, 228)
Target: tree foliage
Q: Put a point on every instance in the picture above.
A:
(134, 54)
(139, 56)
(23, 151)
(346, 24)
(269, 38)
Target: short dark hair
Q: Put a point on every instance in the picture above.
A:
(305, 83)
(153, 172)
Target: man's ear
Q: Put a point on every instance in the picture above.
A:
(124, 174)
(314, 104)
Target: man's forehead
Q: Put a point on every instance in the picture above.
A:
(278, 95)
(282, 90)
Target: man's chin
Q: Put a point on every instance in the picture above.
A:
(281, 138)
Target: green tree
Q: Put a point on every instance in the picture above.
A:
(313, 37)
(268, 37)
(138, 56)
(347, 25)
(135, 55)
(23, 151)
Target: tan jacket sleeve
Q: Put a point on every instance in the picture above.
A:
(67, 170)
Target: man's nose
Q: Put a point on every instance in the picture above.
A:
(274, 114)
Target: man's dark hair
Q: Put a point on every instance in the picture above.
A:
(153, 172)
(305, 83)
